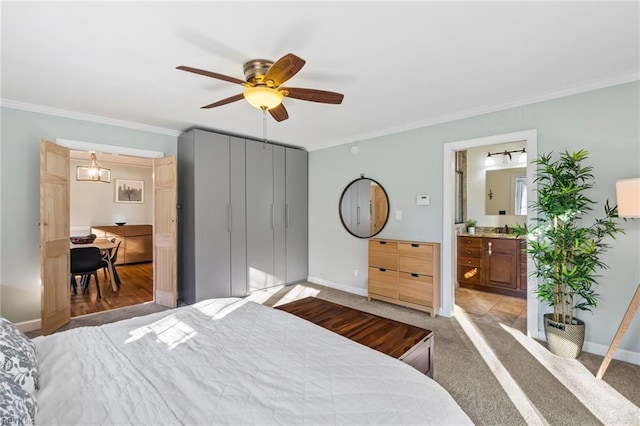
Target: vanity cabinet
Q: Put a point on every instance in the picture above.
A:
(406, 273)
(492, 264)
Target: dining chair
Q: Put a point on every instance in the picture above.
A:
(86, 261)
(114, 258)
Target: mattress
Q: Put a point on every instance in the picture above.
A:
(228, 361)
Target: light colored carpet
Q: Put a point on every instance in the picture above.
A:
(501, 383)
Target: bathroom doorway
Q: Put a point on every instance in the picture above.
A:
(477, 150)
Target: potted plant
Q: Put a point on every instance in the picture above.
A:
(471, 226)
(566, 248)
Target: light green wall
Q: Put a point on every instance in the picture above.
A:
(20, 197)
(605, 122)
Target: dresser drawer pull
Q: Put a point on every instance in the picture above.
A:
(415, 275)
(382, 270)
(415, 245)
(383, 242)
(469, 252)
(468, 261)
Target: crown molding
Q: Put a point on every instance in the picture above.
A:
(87, 117)
(486, 109)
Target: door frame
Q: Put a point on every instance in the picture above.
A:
(530, 137)
(114, 149)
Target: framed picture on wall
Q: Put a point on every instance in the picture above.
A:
(129, 191)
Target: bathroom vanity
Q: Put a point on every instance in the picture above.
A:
(492, 262)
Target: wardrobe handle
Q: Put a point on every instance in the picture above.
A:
(415, 245)
(489, 251)
(382, 270)
(383, 242)
(273, 225)
(415, 275)
(229, 217)
(287, 216)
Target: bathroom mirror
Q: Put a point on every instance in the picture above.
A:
(364, 207)
(506, 192)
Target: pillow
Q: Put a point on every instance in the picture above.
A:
(18, 356)
(17, 406)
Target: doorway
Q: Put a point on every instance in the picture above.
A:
(55, 230)
(529, 138)
(101, 208)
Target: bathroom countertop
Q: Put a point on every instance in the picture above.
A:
(491, 235)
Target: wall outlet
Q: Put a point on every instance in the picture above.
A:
(398, 214)
(356, 272)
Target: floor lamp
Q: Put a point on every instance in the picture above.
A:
(628, 197)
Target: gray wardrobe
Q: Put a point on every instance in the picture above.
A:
(242, 215)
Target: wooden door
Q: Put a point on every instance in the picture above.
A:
(164, 231)
(54, 236)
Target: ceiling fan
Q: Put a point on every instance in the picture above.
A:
(263, 85)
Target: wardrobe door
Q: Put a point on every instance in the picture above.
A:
(238, 217)
(279, 219)
(260, 214)
(212, 199)
(297, 215)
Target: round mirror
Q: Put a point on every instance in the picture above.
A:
(364, 207)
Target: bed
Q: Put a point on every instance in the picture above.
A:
(226, 361)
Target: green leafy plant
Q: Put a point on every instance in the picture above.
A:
(471, 222)
(566, 250)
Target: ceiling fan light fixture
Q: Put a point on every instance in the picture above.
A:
(263, 97)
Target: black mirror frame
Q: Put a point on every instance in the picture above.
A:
(362, 177)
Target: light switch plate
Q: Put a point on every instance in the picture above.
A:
(423, 200)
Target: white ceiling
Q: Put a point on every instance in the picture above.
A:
(399, 65)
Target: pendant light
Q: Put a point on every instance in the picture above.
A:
(93, 173)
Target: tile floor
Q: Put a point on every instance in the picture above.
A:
(493, 308)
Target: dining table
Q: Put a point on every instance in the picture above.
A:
(105, 245)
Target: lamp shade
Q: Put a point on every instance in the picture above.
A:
(628, 197)
(263, 97)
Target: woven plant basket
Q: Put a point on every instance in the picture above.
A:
(564, 340)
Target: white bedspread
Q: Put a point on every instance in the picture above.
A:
(233, 362)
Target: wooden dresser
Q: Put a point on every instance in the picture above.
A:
(493, 264)
(137, 241)
(406, 273)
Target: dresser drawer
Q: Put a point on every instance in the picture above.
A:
(415, 258)
(383, 282)
(470, 242)
(383, 254)
(415, 288)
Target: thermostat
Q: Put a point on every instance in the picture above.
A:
(423, 200)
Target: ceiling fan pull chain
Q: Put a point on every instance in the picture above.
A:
(264, 126)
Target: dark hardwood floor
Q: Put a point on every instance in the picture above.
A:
(136, 288)
(393, 338)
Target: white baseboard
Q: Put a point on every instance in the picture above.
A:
(598, 349)
(349, 289)
(28, 325)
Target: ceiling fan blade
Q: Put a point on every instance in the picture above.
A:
(312, 95)
(225, 101)
(213, 75)
(279, 113)
(284, 68)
